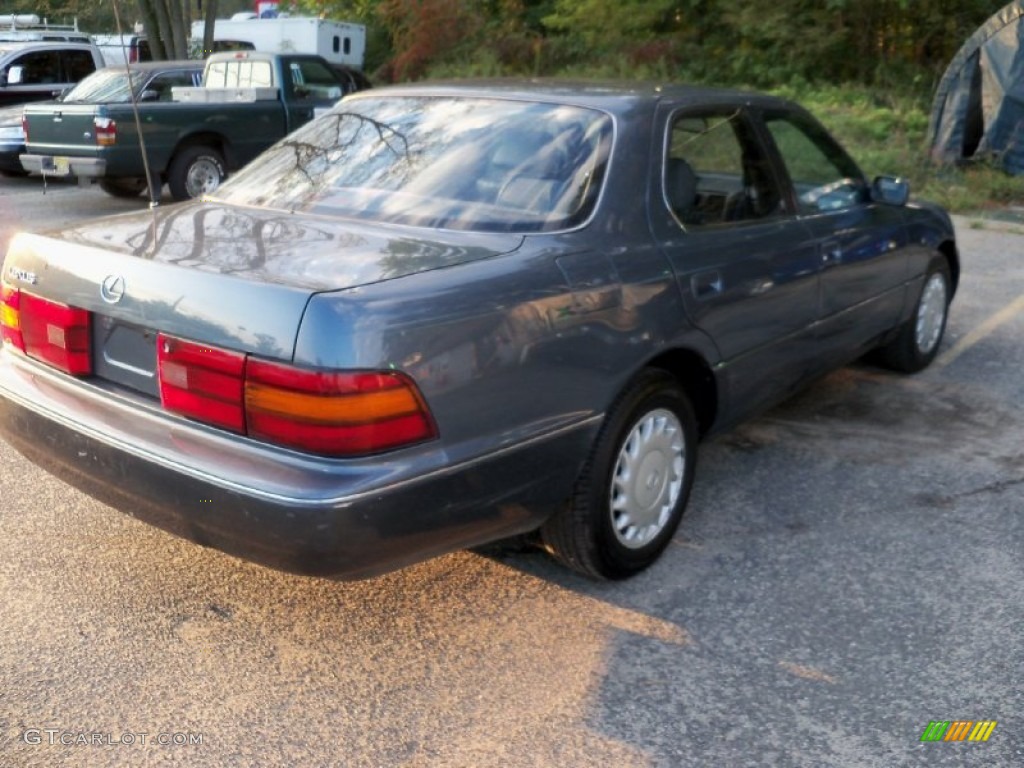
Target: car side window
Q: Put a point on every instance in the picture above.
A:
(40, 68)
(166, 81)
(716, 172)
(823, 176)
(312, 80)
(77, 64)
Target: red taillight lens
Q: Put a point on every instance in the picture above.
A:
(201, 382)
(53, 333)
(335, 413)
(10, 317)
(326, 412)
(106, 131)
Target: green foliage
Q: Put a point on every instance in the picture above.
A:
(608, 26)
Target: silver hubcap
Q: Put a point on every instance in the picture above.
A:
(648, 478)
(931, 314)
(203, 177)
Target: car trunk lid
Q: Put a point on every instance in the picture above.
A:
(238, 278)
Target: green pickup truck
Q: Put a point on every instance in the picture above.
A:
(247, 101)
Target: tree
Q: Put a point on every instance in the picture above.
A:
(168, 24)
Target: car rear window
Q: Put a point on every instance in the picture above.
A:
(108, 86)
(456, 163)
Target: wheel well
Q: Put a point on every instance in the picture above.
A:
(697, 380)
(211, 140)
(948, 249)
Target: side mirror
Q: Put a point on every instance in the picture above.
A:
(890, 190)
(149, 94)
(15, 75)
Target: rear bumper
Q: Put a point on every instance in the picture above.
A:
(343, 519)
(83, 167)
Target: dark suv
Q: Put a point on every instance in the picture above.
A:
(35, 71)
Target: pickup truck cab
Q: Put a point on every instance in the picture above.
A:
(247, 101)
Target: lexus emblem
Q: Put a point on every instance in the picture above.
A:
(112, 289)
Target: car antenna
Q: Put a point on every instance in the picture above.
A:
(153, 193)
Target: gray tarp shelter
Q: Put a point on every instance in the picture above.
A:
(979, 104)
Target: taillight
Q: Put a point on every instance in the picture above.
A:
(325, 412)
(24, 126)
(133, 54)
(335, 413)
(53, 333)
(106, 131)
(201, 382)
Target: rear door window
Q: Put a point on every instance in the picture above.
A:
(717, 172)
(77, 64)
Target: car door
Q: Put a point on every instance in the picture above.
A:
(746, 268)
(76, 65)
(32, 76)
(312, 89)
(862, 244)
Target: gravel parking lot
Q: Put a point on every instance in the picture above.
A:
(849, 570)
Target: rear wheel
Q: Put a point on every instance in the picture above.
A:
(631, 494)
(132, 187)
(919, 338)
(194, 172)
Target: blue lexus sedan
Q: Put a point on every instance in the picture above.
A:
(441, 315)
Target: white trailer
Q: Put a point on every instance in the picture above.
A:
(337, 41)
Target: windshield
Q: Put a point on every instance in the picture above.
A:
(455, 163)
(108, 86)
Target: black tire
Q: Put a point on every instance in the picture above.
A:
(919, 338)
(595, 534)
(131, 187)
(195, 171)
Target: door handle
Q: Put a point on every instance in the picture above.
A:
(706, 284)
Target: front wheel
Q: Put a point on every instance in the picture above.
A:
(918, 340)
(631, 494)
(194, 172)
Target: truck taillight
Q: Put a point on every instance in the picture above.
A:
(106, 131)
(332, 413)
(50, 332)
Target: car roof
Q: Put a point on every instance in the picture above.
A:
(11, 46)
(610, 95)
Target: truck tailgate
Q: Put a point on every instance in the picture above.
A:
(66, 129)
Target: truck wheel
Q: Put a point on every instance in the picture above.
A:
(195, 171)
(132, 187)
(633, 489)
